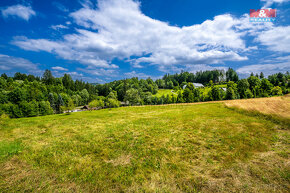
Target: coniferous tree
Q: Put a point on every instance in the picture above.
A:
(262, 75)
(48, 77)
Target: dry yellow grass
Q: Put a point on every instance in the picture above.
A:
(279, 106)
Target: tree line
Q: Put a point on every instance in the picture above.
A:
(27, 95)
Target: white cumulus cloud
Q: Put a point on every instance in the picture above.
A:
(276, 39)
(136, 74)
(21, 11)
(118, 29)
(59, 68)
(58, 27)
(8, 63)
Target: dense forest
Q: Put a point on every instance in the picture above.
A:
(27, 96)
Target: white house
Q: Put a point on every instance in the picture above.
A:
(196, 85)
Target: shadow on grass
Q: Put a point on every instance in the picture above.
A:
(66, 114)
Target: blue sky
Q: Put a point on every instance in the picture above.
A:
(104, 40)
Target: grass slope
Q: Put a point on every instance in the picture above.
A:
(182, 148)
(164, 92)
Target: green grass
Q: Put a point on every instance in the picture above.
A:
(164, 92)
(177, 148)
(221, 86)
(8, 149)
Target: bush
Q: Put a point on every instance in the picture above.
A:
(230, 94)
(243, 86)
(27, 109)
(176, 88)
(180, 98)
(249, 94)
(133, 97)
(276, 91)
(45, 108)
(68, 107)
(97, 104)
(17, 95)
(266, 86)
(6, 109)
(15, 111)
(113, 103)
(4, 116)
(3, 98)
(215, 94)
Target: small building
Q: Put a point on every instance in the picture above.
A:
(86, 107)
(196, 85)
(75, 110)
(123, 104)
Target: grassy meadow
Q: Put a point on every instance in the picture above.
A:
(206, 147)
(164, 92)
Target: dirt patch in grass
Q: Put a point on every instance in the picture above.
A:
(121, 160)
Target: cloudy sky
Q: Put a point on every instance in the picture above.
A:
(104, 40)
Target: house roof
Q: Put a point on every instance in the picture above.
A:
(197, 85)
(86, 107)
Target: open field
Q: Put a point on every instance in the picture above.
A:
(174, 148)
(221, 86)
(164, 92)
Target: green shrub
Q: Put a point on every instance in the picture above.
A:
(97, 104)
(45, 108)
(276, 91)
(113, 103)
